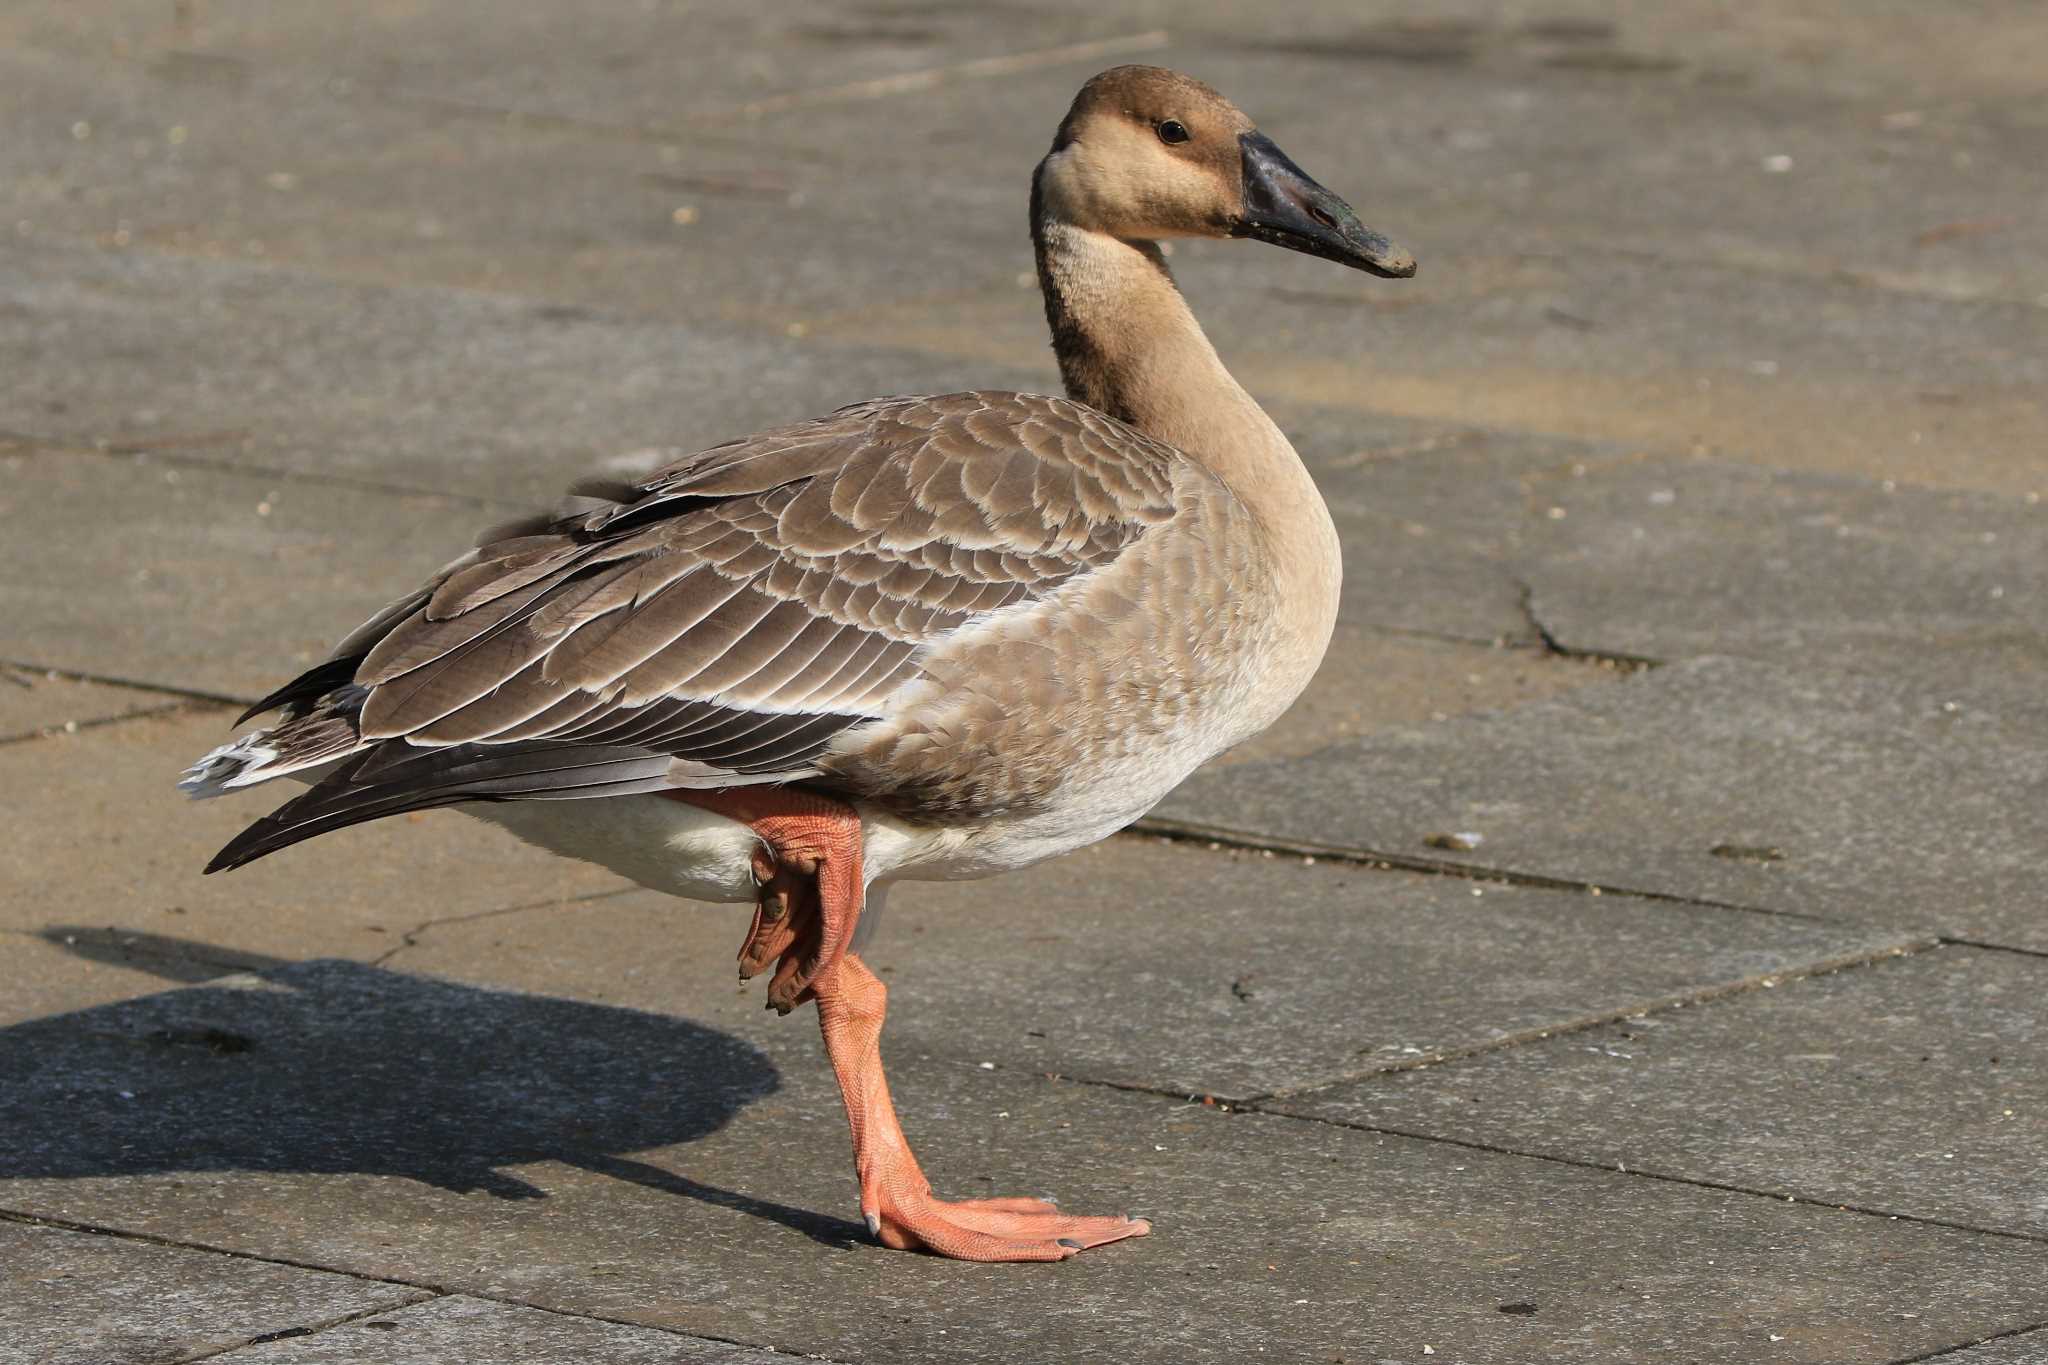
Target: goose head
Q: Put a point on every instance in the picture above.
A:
(1146, 153)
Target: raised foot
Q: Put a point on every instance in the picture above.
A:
(995, 1229)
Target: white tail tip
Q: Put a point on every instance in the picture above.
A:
(239, 764)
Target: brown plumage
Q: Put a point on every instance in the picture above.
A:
(738, 610)
(934, 637)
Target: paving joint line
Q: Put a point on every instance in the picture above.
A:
(1660, 1005)
(645, 1326)
(78, 727)
(1981, 946)
(1698, 1182)
(22, 1216)
(1941, 1352)
(1190, 831)
(1256, 1101)
(433, 1290)
(189, 694)
(306, 1330)
(1228, 1104)
(147, 452)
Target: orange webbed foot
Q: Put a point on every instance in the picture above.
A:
(1010, 1229)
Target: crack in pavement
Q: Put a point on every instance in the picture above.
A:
(308, 1329)
(410, 938)
(1375, 860)
(165, 453)
(1942, 1352)
(1626, 663)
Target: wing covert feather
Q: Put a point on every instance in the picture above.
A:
(738, 611)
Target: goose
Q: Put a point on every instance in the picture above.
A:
(921, 638)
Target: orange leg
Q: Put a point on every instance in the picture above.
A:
(811, 894)
(895, 1197)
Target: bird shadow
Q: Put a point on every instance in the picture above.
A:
(336, 1067)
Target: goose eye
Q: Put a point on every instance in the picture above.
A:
(1173, 131)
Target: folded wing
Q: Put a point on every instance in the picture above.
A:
(717, 623)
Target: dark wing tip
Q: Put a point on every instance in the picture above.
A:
(314, 683)
(265, 836)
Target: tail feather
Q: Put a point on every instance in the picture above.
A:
(303, 742)
(236, 764)
(391, 780)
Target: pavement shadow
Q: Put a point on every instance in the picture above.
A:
(337, 1067)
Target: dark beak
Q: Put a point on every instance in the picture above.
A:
(1282, 205)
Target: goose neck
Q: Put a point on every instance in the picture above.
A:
(1129, 346)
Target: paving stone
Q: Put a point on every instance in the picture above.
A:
(1673, 559)
(1178, 968)
(228, 582)
(1619, 553)
(36, 703)
(500, 402)
(49, 976)
(1635, 180)
(1912, 1086)
(1371, 679)
(504, 425)
(352, 550)
(1843, 48)
(456, 1327)
(73, 1298)
(615, 67)
(1673, 372)
(365, 1129)
(110, 854)
(1436, 529)
(1561, 301)
(1905, 799)
(1595, 298)
(571, 221)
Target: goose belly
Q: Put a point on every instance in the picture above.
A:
(1086, 809)
(664, 845)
